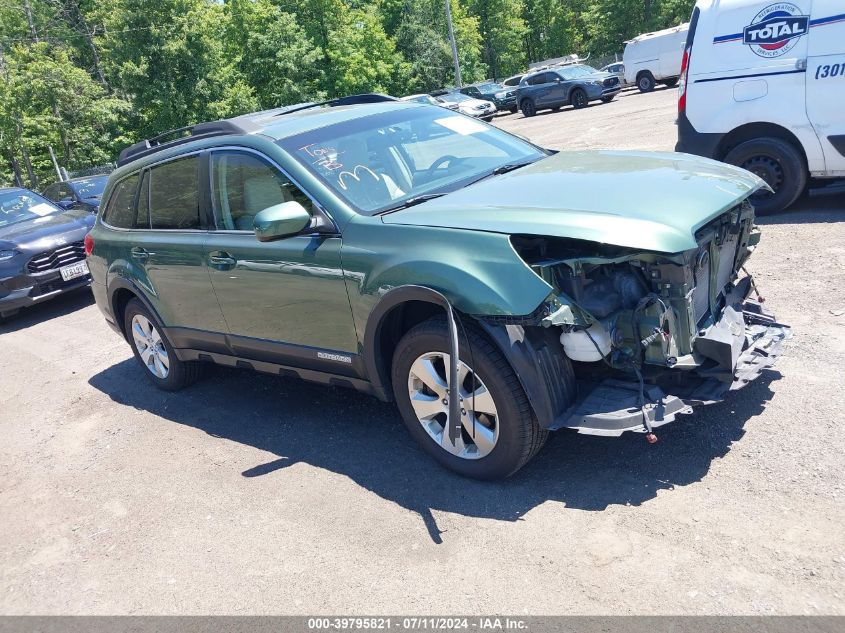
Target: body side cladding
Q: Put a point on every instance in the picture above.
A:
(543, 369)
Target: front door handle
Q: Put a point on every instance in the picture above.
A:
(140, 253)
(221, 260)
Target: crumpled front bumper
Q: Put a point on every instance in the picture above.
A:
(738, 347)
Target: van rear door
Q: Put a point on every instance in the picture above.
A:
(671, 53)
(826, 81)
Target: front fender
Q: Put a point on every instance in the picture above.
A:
(478, 272)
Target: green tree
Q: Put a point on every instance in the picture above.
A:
(50, 102)
(274, 54)
(503, 30)
(169, 58)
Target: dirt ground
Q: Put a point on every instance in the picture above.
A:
(252, 494)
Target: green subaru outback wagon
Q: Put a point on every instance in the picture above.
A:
(493, 289)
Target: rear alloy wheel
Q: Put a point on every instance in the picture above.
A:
(153, 351)
(498, 430)
(645, 82)
(578, 98)
(528, 108)
(778, 163)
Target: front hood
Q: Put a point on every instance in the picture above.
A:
(644, 200)
(47, 230)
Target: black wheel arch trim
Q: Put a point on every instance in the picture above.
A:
(541, 366)
(390, 300)
(121, 283)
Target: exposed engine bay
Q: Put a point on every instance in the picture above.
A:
(654, 322)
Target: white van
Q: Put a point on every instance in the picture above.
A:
(763, 87)
(654, 58)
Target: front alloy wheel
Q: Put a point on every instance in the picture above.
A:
(498, 430)
(428, 388)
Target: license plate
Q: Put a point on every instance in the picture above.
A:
(73, 271)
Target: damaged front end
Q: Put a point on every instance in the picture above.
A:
(652, 334)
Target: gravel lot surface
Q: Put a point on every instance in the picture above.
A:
(252, 494)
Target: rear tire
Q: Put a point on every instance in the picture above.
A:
(579, 99)
(518, 437)
(528, 108)
(778, 163)
(645, 82)
(153, 352)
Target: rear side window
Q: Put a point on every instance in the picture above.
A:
(120, 212)
(174, 199)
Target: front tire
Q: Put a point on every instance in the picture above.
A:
(153, 352)
(528, 108)
(607, 99)
(579, 99)
(778, 163)
(645, 82)
(506, 433)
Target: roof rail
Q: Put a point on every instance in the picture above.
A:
(183, 135)
(243, 124)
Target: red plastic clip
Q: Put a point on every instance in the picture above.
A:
(651, 438)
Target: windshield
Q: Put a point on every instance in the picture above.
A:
(491, 87)
(90, 187)
(574, 72)
(377, 162)
(19, 206)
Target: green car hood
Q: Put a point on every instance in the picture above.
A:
(642, 200)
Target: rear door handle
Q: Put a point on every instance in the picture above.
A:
(221, 260)
(140, 253)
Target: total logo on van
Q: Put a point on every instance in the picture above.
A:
(776, 29)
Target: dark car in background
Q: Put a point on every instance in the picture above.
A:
(78, 193)
(42, 253)
(571, 85)
(504, 98)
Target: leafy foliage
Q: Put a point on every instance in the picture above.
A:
(88, 77)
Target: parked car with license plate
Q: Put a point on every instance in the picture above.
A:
(431, 259)
(617, 70)
(478, 108)
(41, 249)
(503, 97)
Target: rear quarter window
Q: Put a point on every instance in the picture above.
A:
(120, 211)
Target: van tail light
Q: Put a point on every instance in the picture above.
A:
(682, 81)
(89, 244)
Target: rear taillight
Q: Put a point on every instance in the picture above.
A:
(682, 81)
(89, 244)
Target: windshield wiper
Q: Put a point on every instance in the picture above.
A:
(410, 202)
(503, 169)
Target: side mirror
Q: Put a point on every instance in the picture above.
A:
(280, 220)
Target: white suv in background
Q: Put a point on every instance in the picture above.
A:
(763, 87)
(654, 58)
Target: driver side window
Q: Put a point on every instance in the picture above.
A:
(243, 184)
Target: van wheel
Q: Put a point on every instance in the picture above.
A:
(671, 83)
(645, 82)
(499, 432)
(528, 108)
(153, 352)
(778, 163)
(578, 99)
